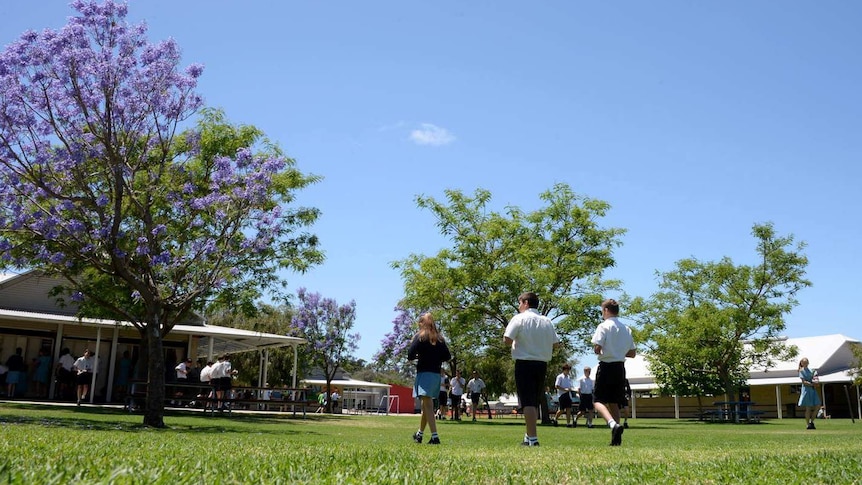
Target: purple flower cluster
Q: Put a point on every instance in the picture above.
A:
(93, 172)
(325, 325)
(393, 347)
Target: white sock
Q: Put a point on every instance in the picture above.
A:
(612, 423)
(533, 439)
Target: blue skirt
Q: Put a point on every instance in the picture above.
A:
(427, 384)
(808, 397)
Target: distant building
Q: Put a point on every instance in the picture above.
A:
(775, 390)
(32, 319)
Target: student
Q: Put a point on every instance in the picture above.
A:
(532, 338)
(612, 342)
(585, 398)
(428, 348)
(808, 398)
(564, 387)
(443, 396)
(15, 373)
(476, 386)
(83, 369)
(456, 390)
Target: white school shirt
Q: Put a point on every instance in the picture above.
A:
(476, 384)
(586, 385)
(83, 364)
(615, 338)
(206, 373)
(563, 381)
(533, 336)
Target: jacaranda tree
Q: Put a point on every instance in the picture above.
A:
(98, 185)
(325, 325)
(393, 348)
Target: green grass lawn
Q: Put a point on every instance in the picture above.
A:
(44, 444)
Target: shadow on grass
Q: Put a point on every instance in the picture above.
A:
(96, 418)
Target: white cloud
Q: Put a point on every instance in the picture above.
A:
(428, 134)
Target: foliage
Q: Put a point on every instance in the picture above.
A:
(393, 348)
(325, 325)
(558, 251)
(268, 319)
(97, 187)
(712, 321)
(856, 370)
(325, 449)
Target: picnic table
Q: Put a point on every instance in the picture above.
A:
(735, 411)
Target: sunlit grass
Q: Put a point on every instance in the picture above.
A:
(41, 444)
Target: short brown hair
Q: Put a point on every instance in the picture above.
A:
(612, 306)
(531, 298)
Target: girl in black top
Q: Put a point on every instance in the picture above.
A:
(429, 350)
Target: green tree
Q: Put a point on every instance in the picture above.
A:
(710, 322)
(98, 187)
(325, 323)
(558, 251)
(268, 319)
(856, 369)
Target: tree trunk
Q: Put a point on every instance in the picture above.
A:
(154, 413)
(543, 408)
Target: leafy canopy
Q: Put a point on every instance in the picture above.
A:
(559, 251)
(97, 184)
(712, 321)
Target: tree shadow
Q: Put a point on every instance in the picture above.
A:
(95, 418)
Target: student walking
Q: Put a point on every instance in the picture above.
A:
(612, 342)
(429, 350)
(475, 387)
(532, 338)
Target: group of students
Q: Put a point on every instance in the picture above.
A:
(532, 338)
(219, 375)
(575, 402)
(572, 400)
(15, 371)
(452, 391)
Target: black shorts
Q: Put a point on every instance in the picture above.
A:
(530, 381)
(65, 376)
(456, 400)
(475, 397)
(84, 378)
(565, 400)
(610, 383)
(586, 403)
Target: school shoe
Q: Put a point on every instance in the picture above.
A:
(527, 443)
(554, 422)
(417, 437)
(626, 425)
(617, 435)
(434, 441)
(810, 426)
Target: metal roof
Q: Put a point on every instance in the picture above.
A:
(225, 340)
(346, 383)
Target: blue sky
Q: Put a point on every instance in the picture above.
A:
(694, 120)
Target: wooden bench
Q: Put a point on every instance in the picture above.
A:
(213, 405)
(198, 396)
